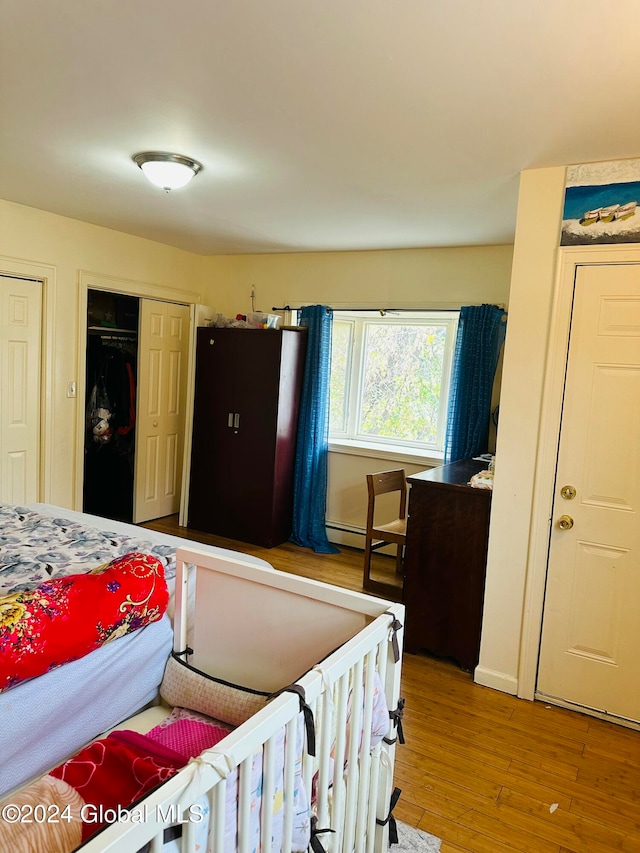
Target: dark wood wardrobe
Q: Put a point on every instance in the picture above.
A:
(247, 397)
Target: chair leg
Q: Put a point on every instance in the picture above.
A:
(366, 578)
(400, 560)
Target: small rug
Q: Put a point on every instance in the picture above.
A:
(410, 840)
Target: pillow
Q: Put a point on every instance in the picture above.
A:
(66, 618)
(186, 687)
(188, 733)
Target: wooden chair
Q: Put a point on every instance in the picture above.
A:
(393, 532)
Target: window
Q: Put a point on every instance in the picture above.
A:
(390, 377)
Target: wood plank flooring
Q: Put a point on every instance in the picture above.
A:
(484, 771)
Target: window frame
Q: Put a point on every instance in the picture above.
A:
(349, 438)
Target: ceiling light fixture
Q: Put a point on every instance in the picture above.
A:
(167, 171)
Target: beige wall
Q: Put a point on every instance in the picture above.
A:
(424, 278)
(531, 296)
(404, 278)
(64, 247)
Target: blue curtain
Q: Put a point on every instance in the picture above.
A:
(312, 453)
(481, 332)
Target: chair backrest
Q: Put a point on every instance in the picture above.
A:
(383, 482)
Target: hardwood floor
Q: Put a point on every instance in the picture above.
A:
(484, 771)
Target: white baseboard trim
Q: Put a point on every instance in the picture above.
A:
(497, 680)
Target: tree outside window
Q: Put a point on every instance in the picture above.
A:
(390, 377)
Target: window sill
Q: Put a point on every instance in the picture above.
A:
(349, 447)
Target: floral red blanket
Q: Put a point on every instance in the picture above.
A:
(66, 618)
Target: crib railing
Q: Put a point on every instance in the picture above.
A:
(350, 783)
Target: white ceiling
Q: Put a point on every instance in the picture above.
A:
(321, 124)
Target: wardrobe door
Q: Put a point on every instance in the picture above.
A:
(258, 371)
(213, 491)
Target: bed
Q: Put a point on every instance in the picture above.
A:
(39, 542)
(322, 656)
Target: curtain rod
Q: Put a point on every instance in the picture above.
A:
(375, 310)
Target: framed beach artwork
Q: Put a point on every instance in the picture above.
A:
(601, 203)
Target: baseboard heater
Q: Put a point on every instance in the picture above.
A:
(358, 531)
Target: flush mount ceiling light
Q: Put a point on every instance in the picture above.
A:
(167, 171)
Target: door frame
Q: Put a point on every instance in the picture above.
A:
(569, 259)
(144, 290)
(46, 276)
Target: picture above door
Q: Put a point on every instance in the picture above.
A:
(591, 622)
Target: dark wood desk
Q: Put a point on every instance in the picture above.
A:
(445, 562)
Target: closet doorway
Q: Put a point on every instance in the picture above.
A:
(136, 375)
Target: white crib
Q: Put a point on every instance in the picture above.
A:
(267, 629)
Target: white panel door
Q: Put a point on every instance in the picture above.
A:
(162, 377)
(590, 652)
(20, 334)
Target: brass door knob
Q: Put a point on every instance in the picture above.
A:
(568, 492)
(565, 522)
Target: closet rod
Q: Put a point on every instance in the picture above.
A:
(113, 334)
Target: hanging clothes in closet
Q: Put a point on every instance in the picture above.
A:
(110, 426)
